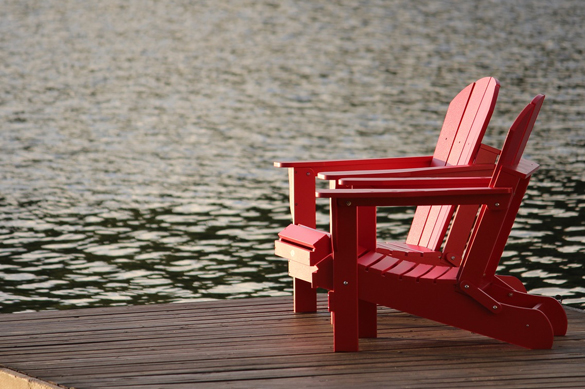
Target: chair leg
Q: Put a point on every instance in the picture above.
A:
(368, 319)
(512, 282)
(552, 309)
(302, 206)
(344, 299)
(522, 320)
(305, 297)
(555, 313)
(345, 326)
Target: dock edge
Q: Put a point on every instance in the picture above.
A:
(11, 379)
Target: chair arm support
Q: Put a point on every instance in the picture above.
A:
(416, 182)
(302, 179)
(494, 198)
(476, 170)
(359, 164)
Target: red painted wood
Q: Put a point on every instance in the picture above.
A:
(418, 271)
(466, 129)
(400, 269)
(302, 205)
(358, 164)
(486, 305)
(510, 282)
(452, 125)
(468, 124)
(460, 231)
(475, 170)
(487, 154)
(344, 305)
(436, 222)
(367, 228)
(474, 122)
(483, 260)
(303, 244)
(302, 173)
(439, 301)
(370, 258)
(458, 286)
(430, 196)
(384, 265)
(465, 215)
(483, 170)
(416, 182)
(550, 307)
(520, 132)
(305, 236)
(368, 322)
(432, 275)
(305, 296)
(392, 247)
(471, 296)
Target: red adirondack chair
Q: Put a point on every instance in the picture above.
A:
(459, 146)
(470, 295)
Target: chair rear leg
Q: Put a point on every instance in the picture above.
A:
(553, 310)
(344, 297)
(305, 296)
(368, 319)
(512, 282)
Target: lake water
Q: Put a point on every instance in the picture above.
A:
(137, 138)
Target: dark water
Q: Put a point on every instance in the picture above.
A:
(137, 138)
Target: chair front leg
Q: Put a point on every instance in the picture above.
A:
(368, 319)
(302, 207)
(368, 312)
(344, 304)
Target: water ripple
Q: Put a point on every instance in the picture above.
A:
(136, 147)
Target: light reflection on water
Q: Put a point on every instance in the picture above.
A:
(138, 138)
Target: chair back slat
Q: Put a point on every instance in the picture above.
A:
(519, 133)
(463, 129)
(493, 227)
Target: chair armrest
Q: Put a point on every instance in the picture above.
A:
(416, 182)
(475, 170)
(494, 198)
(359, 164)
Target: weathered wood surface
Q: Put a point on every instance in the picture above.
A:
(261, 343)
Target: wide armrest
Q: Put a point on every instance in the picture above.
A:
(495, 198)
(416, 182)
(360, 164)
(524, 168)
(475, 170)
(302, 179)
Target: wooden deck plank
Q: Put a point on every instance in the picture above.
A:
(204, 331)
(261, 343)
(480, 371)
(229, 366)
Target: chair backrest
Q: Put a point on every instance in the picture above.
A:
(493, 227)
(463, 129)
(518, 134)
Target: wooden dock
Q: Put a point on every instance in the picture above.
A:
(254, 343)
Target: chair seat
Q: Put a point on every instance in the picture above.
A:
(404, 269)
(416, 253)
